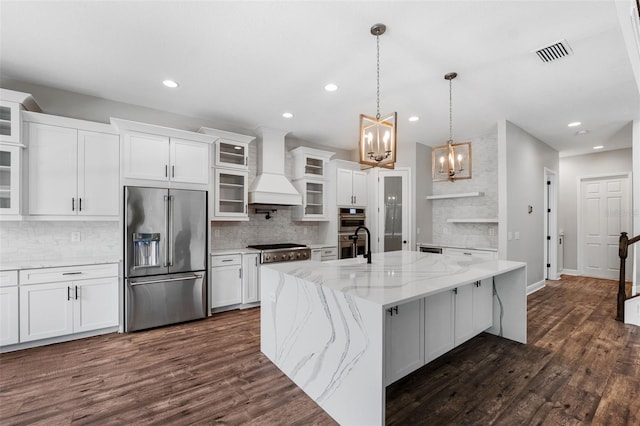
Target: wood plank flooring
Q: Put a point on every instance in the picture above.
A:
(580, 366)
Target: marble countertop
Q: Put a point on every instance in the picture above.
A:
(224, 252)
(395, 277)
(455, 247)
(54, 263)
(319, 246)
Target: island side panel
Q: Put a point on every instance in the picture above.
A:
(511, 287)
(327, 342)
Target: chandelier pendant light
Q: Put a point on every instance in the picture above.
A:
(453, 160)
(378, 134)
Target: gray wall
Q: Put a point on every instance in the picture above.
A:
(423, 187)
(570, 170)
(526, 159)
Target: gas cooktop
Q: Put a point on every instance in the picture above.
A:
(282, 252)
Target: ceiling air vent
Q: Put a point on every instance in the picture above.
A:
(555, 51)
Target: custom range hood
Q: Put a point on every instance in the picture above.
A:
(271, 185)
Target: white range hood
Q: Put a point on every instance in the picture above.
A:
(271, 185)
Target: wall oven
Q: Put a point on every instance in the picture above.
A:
(349, 219)
(346, 248)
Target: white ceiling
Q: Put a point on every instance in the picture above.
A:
(246, 63)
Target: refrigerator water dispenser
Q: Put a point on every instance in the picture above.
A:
(146, 250)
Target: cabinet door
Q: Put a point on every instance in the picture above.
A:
(189, 161)
(464, 327)
(314, 199)
(230, 199)
(439, 318)
(483, 305)
(95, 304)
(53, 170)
(10, 122)
(232, 154)
(146, 156)
(226, 285)
(9, 179)
(8, 315)
(250, 278)
(46, 310)
(359, 189)
(404, 340)
(98, 174)
(344, 188)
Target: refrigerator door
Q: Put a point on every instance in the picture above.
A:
(145, 239)
(166, 299)
(187, 230)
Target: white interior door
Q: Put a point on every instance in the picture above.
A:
(604, 214)
(394, 206)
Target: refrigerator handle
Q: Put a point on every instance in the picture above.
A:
(166, 227)
(170, 239)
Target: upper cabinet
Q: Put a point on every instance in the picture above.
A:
(11, 105)
(163, 156)
(73, 167)
(309, 177)
(351, 189)
(229, 175)
(10, 158)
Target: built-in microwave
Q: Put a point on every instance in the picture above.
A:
(349, 219)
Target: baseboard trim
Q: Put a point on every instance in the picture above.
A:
(532, 288)
(569, 272)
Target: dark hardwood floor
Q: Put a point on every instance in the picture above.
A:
(580, 366)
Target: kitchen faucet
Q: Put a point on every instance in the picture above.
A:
(354, 237)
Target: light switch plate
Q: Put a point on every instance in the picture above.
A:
(75, 237)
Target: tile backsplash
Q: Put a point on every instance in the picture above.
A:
(49, 240)
(280, 228)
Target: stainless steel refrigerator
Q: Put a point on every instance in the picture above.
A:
(165, 244)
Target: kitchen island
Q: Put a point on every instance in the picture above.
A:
(344, 330)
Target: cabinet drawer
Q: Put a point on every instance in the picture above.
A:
(8, 278)
(470, 253)
(230, 259)
(329, 253)
(68, 273)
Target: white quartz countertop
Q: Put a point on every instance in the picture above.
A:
(54, 263)
(395, 277)
(455, 247)
(225, 252)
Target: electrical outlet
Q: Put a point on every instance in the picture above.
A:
(304, 231)
(517, 235)
(216, 232)
(492, 231)
(75, 237)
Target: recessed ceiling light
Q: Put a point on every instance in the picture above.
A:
(598, 147)
(331, 87)
(414, 118)
(287, 115)
(170, 83)
(582, 132)
(574, 124)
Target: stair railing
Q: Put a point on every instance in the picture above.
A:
(625, 242)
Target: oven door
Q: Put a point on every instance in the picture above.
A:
(349, 223)
(346, 246)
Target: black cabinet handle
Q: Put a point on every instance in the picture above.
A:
(68, 293)
(73, 204)
(76, 292)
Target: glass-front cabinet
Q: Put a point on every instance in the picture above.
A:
(10, 179)
(231, 195)
(309, 177)
(10, 122)
(231, 154)
(313, 198)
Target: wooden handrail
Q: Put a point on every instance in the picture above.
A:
(625, 242)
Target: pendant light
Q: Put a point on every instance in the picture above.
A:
(453, 160)
(378, 134)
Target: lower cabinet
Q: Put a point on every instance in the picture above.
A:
(57, 309)
(473, 310)
(226, 280)
(439, 320)
(9, 329)
(404, 340)
(250, 278)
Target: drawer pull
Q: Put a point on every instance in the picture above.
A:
(71, 273)
(227, 260)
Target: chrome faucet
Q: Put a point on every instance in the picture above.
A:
(354, 237)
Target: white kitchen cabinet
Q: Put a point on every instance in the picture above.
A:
(10, 161)
(72, 172)
(72, 303)
(314, 201)
(482, 305)
(473, 310)
(468, 255)
(310, 163)
(439, 324)
(167, 159)
(9, 318)
(230, 200)
(404, 339)
(231, 154)
(10, 121)
(351, 189)
(250, 278)
(226, 280)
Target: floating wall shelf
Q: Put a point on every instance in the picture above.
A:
(472, 220)
(461, 195)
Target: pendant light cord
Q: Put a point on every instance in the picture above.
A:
(377, 76)
(450, 113)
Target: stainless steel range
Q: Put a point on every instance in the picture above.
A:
(286, 252)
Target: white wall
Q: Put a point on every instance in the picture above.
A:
(526, 159)
(570, 170)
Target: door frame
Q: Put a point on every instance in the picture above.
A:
(404, 172)
(550, 225)
(580, 239)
